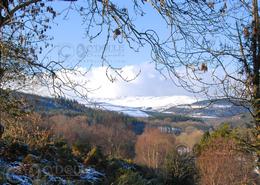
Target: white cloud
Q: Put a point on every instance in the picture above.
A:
(148, 83)
(98, 80)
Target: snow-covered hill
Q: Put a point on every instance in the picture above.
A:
(137, 106)
(131, 111)
(149, 102)
(144, 106)
(217, 108)
(182, 105)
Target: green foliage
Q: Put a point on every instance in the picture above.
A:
(130, 178)
(80, 150)
(28, 129)
(224, 131)
(243, 138)
(94, 157)
(61, 106)
(61, 153)
(12, 150)
(11, 105)
(172, 117)
(180, 169)
(31, 159)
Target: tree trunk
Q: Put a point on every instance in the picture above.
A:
(256, 65)
(256, 76)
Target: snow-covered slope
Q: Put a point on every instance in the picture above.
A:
(131, 111)
(184, 105)
(149, 102)
(217, 108)
(137, 106)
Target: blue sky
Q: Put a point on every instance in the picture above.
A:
(70, 43)
(69, 33)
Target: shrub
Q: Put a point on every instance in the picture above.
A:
(29, 130)
(180, 169)
(94, 157)
(80, 150)
(221, 159)
(131, 178)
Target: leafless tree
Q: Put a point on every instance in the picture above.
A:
(216, 39)
(152, 147)
(208, 46)
(23, 44)
(222, 163)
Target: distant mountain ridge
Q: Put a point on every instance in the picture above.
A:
(157, 103)
(217, 108)
(142, 106)
(178, 105)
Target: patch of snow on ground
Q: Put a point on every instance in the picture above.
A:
(91, 175)
(18, 179)
(53, 179)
